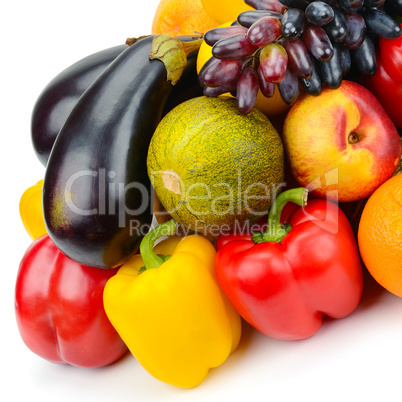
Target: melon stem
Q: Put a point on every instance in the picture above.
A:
(150, 258)
(275, 230)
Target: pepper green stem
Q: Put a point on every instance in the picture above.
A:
(275, 230)
(150, 258)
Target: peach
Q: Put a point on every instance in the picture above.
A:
(341, 144)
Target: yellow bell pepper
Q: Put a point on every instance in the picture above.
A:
(31, 210)
(170, 311)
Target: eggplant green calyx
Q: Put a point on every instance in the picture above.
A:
(173, 54)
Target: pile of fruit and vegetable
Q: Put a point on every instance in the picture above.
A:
(193, 183)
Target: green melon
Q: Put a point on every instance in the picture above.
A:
(212, 168)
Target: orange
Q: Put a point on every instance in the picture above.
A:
(380, 235)
(273, 107)
(181, 17)
(225, 10)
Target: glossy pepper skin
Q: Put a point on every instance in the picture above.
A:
(283, 280)
(59, 309)
(386, 83)
(173, 316)
(31, 210)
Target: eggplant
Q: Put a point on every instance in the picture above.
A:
(97, 194)
(61, 94)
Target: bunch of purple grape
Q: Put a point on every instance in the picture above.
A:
(296, 45)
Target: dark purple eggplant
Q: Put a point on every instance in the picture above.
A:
(61, 94)
(97, 194)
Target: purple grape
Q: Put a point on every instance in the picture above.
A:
(289, 87)
(214, 92)
(318, 43)
(312, 85)
(380, 23)
(273, 62)
(294, 44)
(331, 70)
(266, 88)
(337, 29)
(301, 4)
(213, 35)
(345, 60)
(217, 72)
(270, 5)
(247, 18)
(331, 2)
(364, 57)
(356, 27)
(293, 23)
(319, 13)
(374, 3)
(233, 47)
(264, 31)
(247, 90)
(351, 6)
(298, 57)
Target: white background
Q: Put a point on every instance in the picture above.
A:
(356, 358)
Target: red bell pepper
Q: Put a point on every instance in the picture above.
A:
(391, 56)
(59, 308)
(246, 232)
(282, 281)
(386, 83)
